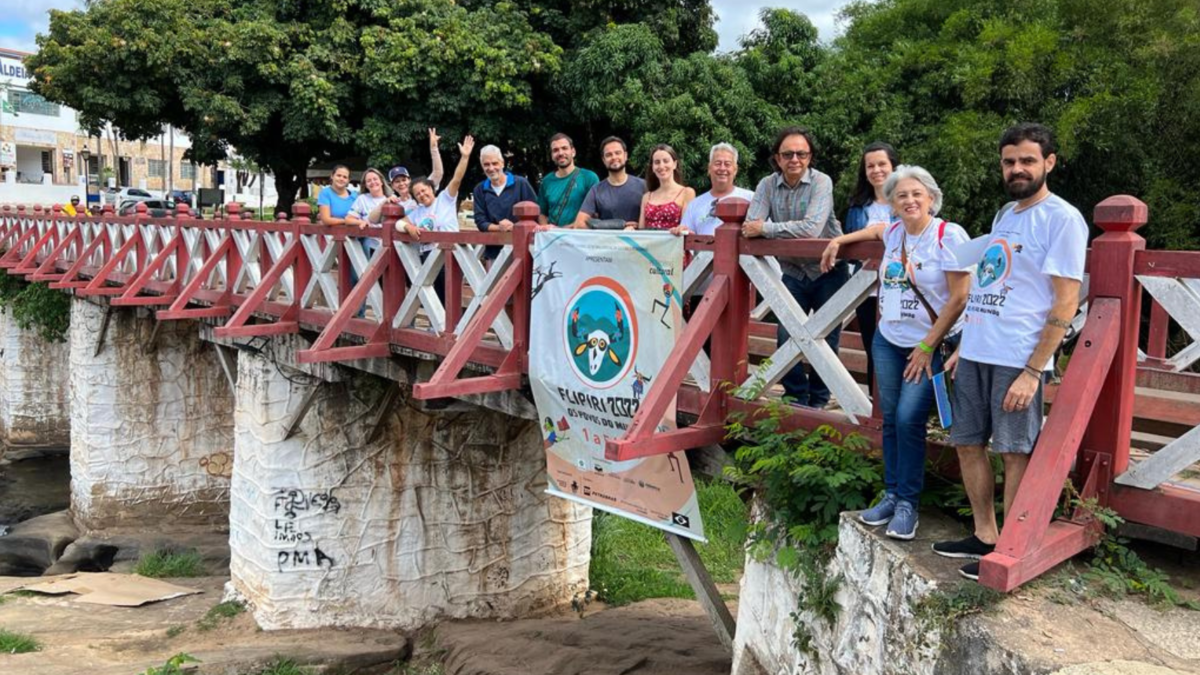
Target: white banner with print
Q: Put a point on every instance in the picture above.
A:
(607, 310)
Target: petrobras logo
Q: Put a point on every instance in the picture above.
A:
(601, 332)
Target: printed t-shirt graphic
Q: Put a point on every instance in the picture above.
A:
(904, 320)
(1011, 289)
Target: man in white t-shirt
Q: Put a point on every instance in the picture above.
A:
(701, 214)
(1024, 293)
(437, 214)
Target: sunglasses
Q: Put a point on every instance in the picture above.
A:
(795, 154)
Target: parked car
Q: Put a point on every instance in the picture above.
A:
(155, 208)
(184, 196)
(129, 195)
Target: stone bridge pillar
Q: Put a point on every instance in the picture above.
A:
(151, 423)
(373, 512)
(35, 407)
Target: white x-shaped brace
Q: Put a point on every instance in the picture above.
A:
(324, 281)
(807, 334)
(1181, 299)
(695, 276)
(422, 275)
(482, 284)
(250, 276)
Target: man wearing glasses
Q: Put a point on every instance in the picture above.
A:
(797, 202)
(701, 214)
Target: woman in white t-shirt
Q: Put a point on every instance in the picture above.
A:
(437, 214)
(922, 293)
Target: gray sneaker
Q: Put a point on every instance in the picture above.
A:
(881, 512)
(904, 523)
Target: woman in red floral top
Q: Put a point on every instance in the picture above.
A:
(666, 197)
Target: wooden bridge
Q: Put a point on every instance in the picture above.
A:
(247, 278)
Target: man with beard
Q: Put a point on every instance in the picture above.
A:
(614, 203)
(1024, 293)
(561, 193)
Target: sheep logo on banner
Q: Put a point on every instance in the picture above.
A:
(601, 332)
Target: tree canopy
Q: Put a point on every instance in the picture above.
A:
(287, 83)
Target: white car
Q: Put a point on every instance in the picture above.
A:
(129, 196)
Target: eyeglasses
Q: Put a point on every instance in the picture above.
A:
(795, 154)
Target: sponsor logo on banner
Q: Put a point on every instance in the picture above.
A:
(612, 311)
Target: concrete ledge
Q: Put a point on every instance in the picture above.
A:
(881, 630)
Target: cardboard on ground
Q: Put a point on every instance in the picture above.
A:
(106, 588)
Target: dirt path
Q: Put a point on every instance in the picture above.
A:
(99, 640)
(652, 636)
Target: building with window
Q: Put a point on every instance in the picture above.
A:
(45, 157)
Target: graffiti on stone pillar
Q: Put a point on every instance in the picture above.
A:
(306, 554)
(304, 558)
(293, 501)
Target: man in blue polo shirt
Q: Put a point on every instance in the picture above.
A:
(496, 196)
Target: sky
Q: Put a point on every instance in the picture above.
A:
(23, 19)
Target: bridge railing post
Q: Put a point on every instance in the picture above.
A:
(302, 272)
(730, 343)
(522, 238)
(1108, 433)
(394, 277)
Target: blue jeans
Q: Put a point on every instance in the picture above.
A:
(807, 388)
(906, 409)
(369, 246)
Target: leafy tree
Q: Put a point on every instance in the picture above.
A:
(1116, 80)
(285, 83)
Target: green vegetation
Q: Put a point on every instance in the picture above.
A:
(283, 666)
(173, 666)
(221, 611)
(36, 307)
(1115, 570)
(16, 643)
(941, 610)
(176, 631)
(632, 562)
(159, 564)
(805, 479)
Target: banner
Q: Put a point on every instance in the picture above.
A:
(606, 313)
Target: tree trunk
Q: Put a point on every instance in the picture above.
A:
(287, 184)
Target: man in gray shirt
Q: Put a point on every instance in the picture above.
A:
(616, 198)
(797, 202)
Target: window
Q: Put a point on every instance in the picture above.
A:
(158, 168)
(187, 171)
(31, 103)
(48, 161)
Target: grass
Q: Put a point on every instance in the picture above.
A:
(283, 667)
(175, 631)
(632, 562)
(159, 564)
(224, 610)
(16, 643)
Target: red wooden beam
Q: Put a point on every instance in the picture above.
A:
(29, 264)
(1184, 264)
(666, 384)
(12, 257)
(288, 323)
(1170, 507)
(70, 278)
(179, 308)
(130, 297)
(97, 285)
(438, 386)
(47, 271)
(1021, 540)
(1061, 541)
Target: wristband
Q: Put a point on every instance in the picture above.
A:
(924, 347)
(1037, 374)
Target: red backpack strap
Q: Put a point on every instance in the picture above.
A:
(941, 233)
(892, 228)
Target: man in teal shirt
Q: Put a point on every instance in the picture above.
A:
(561, 193)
